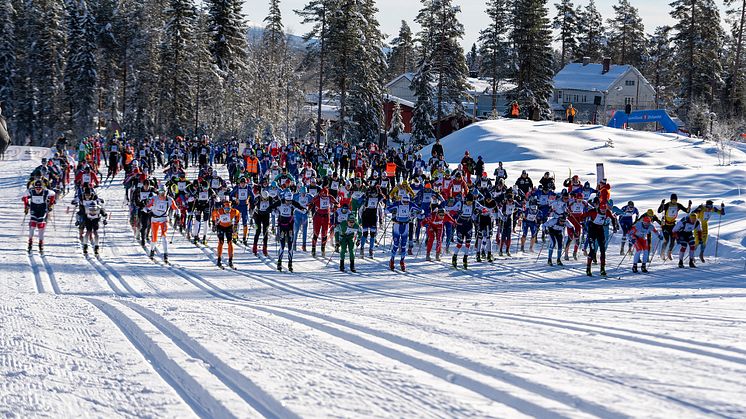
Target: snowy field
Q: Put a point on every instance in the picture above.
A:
(126, 337)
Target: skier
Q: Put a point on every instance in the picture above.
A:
(94, 213)
(160, 207)
(323, 205)
(346, 234)
(402, 212)
(531, 218)
(596, 220)
(40, 203)
(372, 201)
(638, 235)
(435, 225)
(261, 203)
(241, 196)
(554, 227)
(670, 212)
(626, 216)
(303, 199)
(285, 219)
(464, 227)
(704, 212)
(684, 232)
(225, 222)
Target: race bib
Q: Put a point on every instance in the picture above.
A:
(600, 219)
(466, 211)
(303, 201)
(356, 195)
(225, 218)
(456, 188)
(161, 207)
(86, 178)
(142, 153)
(243, 194)
(672, 211)
(285, 210)
(203, 151)
(203, 196)
(215, 183)
(335, 185)
(427, 198)
(114, 149)
(324, 203)
(181, 186)
(342, 216)
(372, 202)
(402, 211)
(263, 206)
(144, 196)
(531, 217)
(359, 163)
(37, 199)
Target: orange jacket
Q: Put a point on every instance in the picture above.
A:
(225, 218)
(252, 164)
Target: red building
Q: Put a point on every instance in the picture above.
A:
(406, 106)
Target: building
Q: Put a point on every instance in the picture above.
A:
(598, 90)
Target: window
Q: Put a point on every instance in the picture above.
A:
(629, 101)
(629, 83)
(585, 99)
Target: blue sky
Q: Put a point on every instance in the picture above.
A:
(391, 12)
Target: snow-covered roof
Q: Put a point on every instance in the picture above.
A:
(400, 101)
(408, 76)
(590, 77)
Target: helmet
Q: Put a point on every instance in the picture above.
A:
(579, 195)
(303, 190)
(674, 197)
(288, 196)
(484, 174)
(469, 197)
(146, 182)
(161, 190)
(485, 211)
(587, 184)
(441, 211)
(602, 206)
(630, 204)
(265, 194)
(709, 203)
(87, 191)
(562, 217)
(428, 185)
(38, 184)
(405, 198)
(351, 219)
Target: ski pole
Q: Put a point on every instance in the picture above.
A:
(717, 242)
(23, 223)
(622, 261)
(654, 250)
(540, 250)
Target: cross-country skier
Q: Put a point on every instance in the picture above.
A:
(39, 202)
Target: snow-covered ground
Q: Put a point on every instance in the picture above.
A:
(126, 337)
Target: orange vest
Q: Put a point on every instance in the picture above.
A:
(390, 169)
(252, 164)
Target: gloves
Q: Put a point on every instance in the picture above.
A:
(106, 221)
(77, 223)
(663, 201)
(25, 211)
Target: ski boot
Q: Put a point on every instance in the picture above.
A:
(279, 265)
(41, 247)
(428, 258)
(681, 263)
(549, 262)
(634, 268)
(402, 265)
(507, 253)
(454, 261)
(409, 252)
(466, 262)
(95, 250)
(30, 246)
(644, 268)
(702, 256)
(691, 263)
(196, 241)
(220, 263)
(264, 250)
(152, 254)
(621, 251)
(567, 257)
(204, 240)
(313, 251)
(290, 265)
(391, 264)
(370, 253)
(437, 256)
(588, 271)
(352, 267)
(574, 254)
(304, 248)
(85, 249)
(603, 271)
(245, 242)
(670, 257)
(490, 259)
(341, 265)
(165, 257)
(479, 257)
(559, 262)
(323, 252)
(523, 249)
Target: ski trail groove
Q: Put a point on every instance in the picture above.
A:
(502, 375)
(483, 389)
(37, 274)
(104, 274)
(192, 392)
(232, 378)
(119, 277)
(50, 274)
(603, 331)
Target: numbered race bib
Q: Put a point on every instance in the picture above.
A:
(359, 163)
(114, 149)
(86, 178)
(215, 183)
(37, 199)
(385, 184)
(427, 198)
(243, 194)
(144, 196)
(707, 215)
(203, 196)
(356, 195)
(372, 202)
(285, 210)
(225, 218)
(263, 206)
(324, 203)
(600, 219)
(466, 211)
(672, 211)
(303, 201)
(142, 153)
(203, 151)
(402, 211)
(335, 185)
(456, 188)
(181, 186)
(161, 207)
(531, 217)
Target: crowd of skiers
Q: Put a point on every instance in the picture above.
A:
(355, 198)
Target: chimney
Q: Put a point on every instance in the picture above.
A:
(607, 65)
(586, 61)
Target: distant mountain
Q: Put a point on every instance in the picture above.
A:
(256, 31)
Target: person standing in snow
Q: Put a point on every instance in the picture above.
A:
(570, 114)
(704, 212)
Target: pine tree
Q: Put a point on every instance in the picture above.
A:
(736, 83)
(658, 69)
(397, 124)
(472, 59)
(591, 33)
(402, 57)
(533, 38)
(177, 75)
(698, 42)
(7, 57)
(81, 78)
(626, 36)
(566, 24)
(424, 110)
(228, 33)
(439, 39)
(494, 47)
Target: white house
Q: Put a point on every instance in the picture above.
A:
(596, 90)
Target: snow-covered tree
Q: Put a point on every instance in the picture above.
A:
(626, 35)
(533, 38)
(591, 32)
(698, 42)
(424, 110)
(735, 93)
(81, 78)
(7, 57)
(657, 68)
(566, 25)
(494, 46)
(228, 34)
(397, 124)
(402, 57)
(472, 59)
